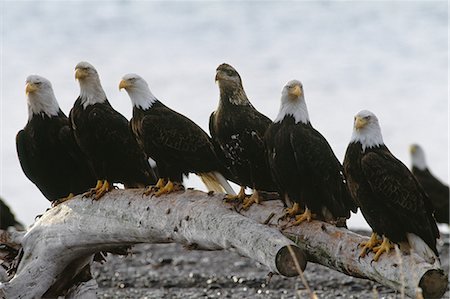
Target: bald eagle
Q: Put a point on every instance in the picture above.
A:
(238, 129)
(303, 164)
(435, 189)
(391, 200)
(176, 143)
(104, 135)
(47, 151)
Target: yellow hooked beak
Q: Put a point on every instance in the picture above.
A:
(123, 84)
(80, 74)
(412, 149)
(360, 122)
(30, 87)
(295, 91)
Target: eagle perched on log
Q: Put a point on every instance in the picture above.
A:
(104, 135)
(391, 200)
(176, 143)
(237, 130)
(303, 163)
(47, 151)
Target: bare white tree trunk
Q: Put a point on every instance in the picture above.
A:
(337, 248)
(67, 236)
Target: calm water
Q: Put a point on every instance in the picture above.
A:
(388, 57)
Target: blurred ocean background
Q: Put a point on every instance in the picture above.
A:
(388, 57)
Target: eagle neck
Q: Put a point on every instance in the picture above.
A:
(91, 92)
(43, 103)
(295, 108)
(234, 95)
(142, 98)
(369, 137)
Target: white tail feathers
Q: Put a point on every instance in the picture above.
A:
(214, 181)
(421, 248)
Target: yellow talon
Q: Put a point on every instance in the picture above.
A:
(306, 216)
(295, 210)
(254, 198)
(94, 190)
(99, 184)
(169, 188)
(61, 200)
(166, 189)
(369, 245)
(240, 196)
(106, 186)
(386, 246)
(159, 185)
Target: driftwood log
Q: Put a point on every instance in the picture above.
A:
(61, 243)
(337, 248)
(65, 237)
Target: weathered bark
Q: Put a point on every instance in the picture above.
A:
(65, 237)
(80, 227)
(337, 248)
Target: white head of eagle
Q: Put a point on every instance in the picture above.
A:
(91, 90)
(40, 97)
(138, 90)
(293, 103)
(366, 130)
(418, 157)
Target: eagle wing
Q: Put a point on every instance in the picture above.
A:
(392, 182)
(398, 191)
(259, 123)
(438, 193)
(315, 157)
(225, 168)
(238, 135)
(25, 153)
(67, 140)
(212, 129)
(214, 139)
(100, 120)
(176, 136)
(82, 172)
(110, 131)
(248, 135)
(32, 165)
(109, 123)
(432, 186)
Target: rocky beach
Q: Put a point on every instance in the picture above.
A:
(172, 271)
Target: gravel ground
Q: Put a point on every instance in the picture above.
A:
(171, 271)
